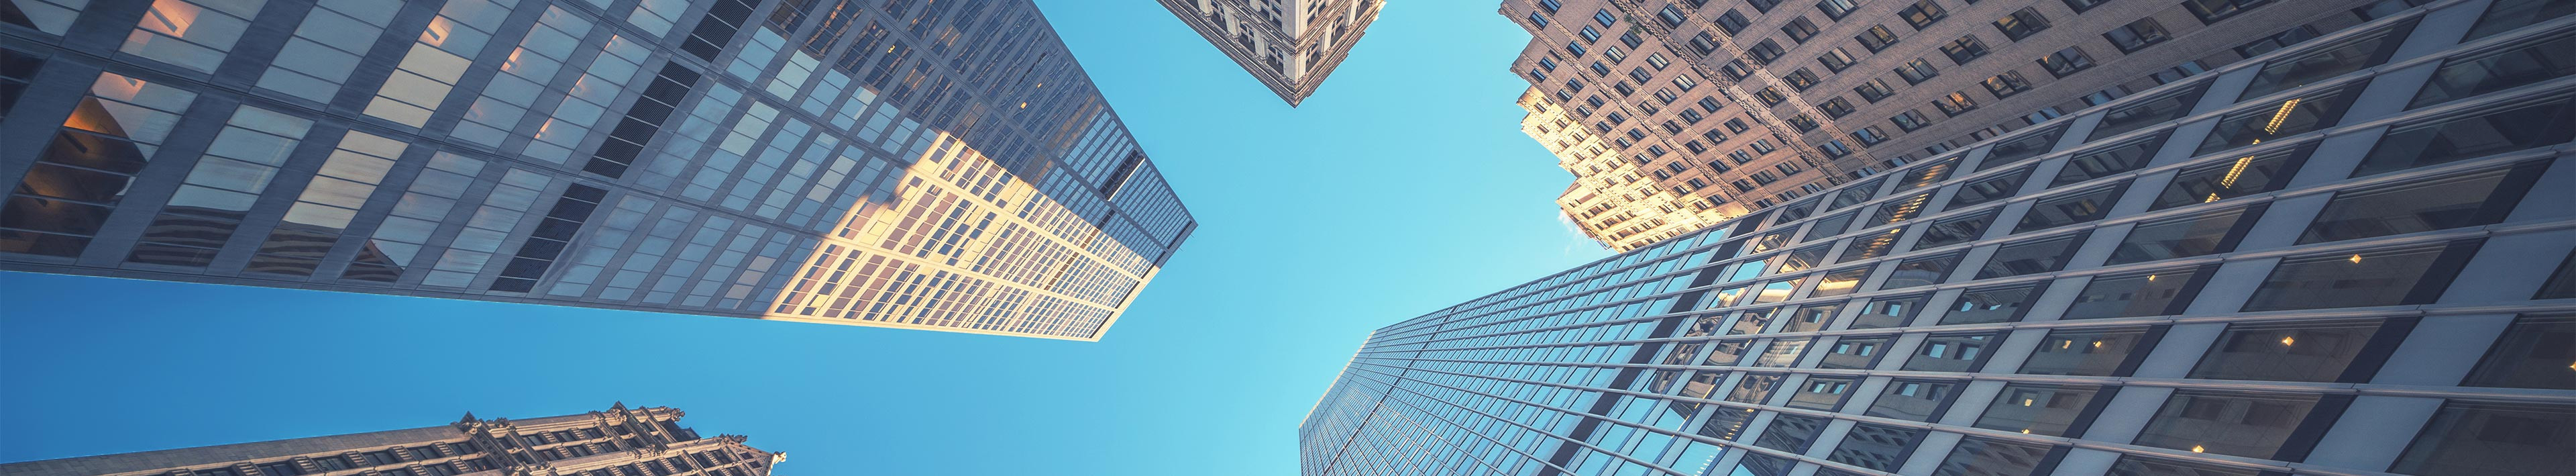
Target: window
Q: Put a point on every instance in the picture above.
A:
(2182, 237)
(2134, 465)
(1887, 312)
(2211, 11)
(1803, 79)
(1811, 317)
(1605, 18)
(2531, 354)
(2561, 283)
(1876, 38)
(1989, 189)
(1923, 271)
(1589, 35)
(2066, 62)
(1868, 135)
(1854, 353)
(1983, 456)
(1836, 60)
(2231, 422)
(2006, 84)
(1733, 22)
(2475, 437)
(1782, 353)
(2467, 200)
(1917, 400)
(282, 468)
(2462, 138)
(1537, 20)
(2021, 148)
(2255, 173)
(1910, 120)
(190, 34)
(2042, 409)
(1878, 447)
(2499, 70)
(2345, 56)
(1765, 51)
(2071, 208)
(1994, 304)
(1961, 51)
(2284, 39)
(2185, 70)
(1839, 283)
(2080, 6)
(2021, 24)
(2137, 35)
(1926, 175)
(217, 472)
(1821, 393)
(2107, 160)
(2146, 112)
(2327, 351)
(1791, 433)
(1829, 226)
(1954, 104)
(2380, 277)
(1836, 9)
(2091, 352)
(1799, 29)
(1922, 13)
(1874, 90)
(1898, 210)
(1550, 5)
(1950, 231)
(1952, 352)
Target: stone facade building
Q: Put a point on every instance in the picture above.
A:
(643, 441)
(1685, 112)
(1289, 45)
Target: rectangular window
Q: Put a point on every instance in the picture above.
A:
(1874, 90)
(2066, 62)
(1976, 455)
(1955, 230)
(1910, 120)
(2506, 68)
(1811, 317)
(2137, 35)
(1922, 13)
(2024, 147)
(2021, 24)
(1836, 9)
(1821, 393)
(1994, 304)
(1782, 353)
(1887, 312)
(2071, 208)
(2454, 139)
(1877, 447)
(2531, 354)
(1791, 433)
(2186, 235)
(1877, 38)
(2290, 117)
(2313, 351)
(1989, 189)
(2092, 352)
(1923, 271)
(1799, 30)
(2006, 84)
(1954, 104)
(2474, 199)
(1961, 51)
(1952, 352)
(2044, 409)
(2153, 293)
(2107, 160)
(2251, 174)
(2211, 11)
(2140, 113)
(1840, 282)
(2381, 277)
(1899, 210)
(1916, 400)
(1854, 353)
(2345, 56)
(2475, 437)
(2234, 422)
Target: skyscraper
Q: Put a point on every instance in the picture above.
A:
(928, 165)
(1682, 113)
(1290, 45)
(646, 441)
(2355, 255)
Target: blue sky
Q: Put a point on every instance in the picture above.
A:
(1403, 186)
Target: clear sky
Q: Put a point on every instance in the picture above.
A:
(1403, 186)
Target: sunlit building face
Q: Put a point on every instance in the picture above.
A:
(825, 161)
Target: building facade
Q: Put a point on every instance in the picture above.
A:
(932, 165)
(1289, 45)
(644, 441)
(2354, 256)
(1704, 110)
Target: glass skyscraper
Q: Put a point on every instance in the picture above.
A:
(931, 165)
(2348, 256)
